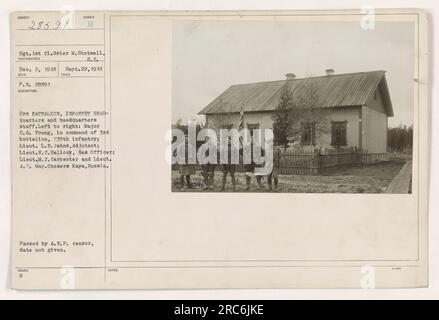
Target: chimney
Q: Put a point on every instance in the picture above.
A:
(329, 72)
(290, 76)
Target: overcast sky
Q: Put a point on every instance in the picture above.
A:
(209, 56)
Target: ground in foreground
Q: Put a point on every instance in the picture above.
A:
(370, 179)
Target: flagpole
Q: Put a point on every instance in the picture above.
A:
(241, 123)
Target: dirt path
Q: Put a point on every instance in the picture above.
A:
(372, 179)
(401, 182)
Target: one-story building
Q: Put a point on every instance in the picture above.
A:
(356, 108)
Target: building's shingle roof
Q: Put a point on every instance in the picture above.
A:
(342, 90)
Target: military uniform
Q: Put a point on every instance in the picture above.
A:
(274, 175)
(208, 172)
(228, 168)
(186, 170)
(250, 170)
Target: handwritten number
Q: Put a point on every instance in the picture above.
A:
(66, 24)
(45, 25)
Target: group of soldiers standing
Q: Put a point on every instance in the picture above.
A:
(230, 168)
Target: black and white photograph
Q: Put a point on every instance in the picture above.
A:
(209, 150)
(337, 98)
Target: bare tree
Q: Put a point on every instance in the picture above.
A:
(224, 120)
(308, 115)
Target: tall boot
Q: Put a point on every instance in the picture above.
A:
(205, 180)
(188, 181)
(211, 180)
(247, 182)
(232, 176)
(276, 181)
(258, 181)
(269, 180)
(223, 187)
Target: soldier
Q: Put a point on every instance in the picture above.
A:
(186, 170)
(228, 168)
(250, 169)
(208, 169)
(275, 171)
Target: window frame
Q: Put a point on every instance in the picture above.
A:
(339, 125)
(253, 126)
(308, 131)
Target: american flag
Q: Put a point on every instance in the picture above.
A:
(241, 124)
(241, 118)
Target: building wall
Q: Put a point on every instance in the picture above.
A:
(352, 116)
(374, 130)
(323, 135)
(261, 118)
(375, 124)
(375, 101)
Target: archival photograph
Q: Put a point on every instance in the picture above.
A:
(219, 149)
(292, 106)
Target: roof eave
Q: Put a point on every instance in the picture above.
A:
(272, 110)
(388, 102)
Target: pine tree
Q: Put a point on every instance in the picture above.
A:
(282, 117)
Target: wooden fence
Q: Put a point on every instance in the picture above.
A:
(316, 162)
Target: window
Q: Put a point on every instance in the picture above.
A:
(308, 133)
(252, 126)
(339, 133)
